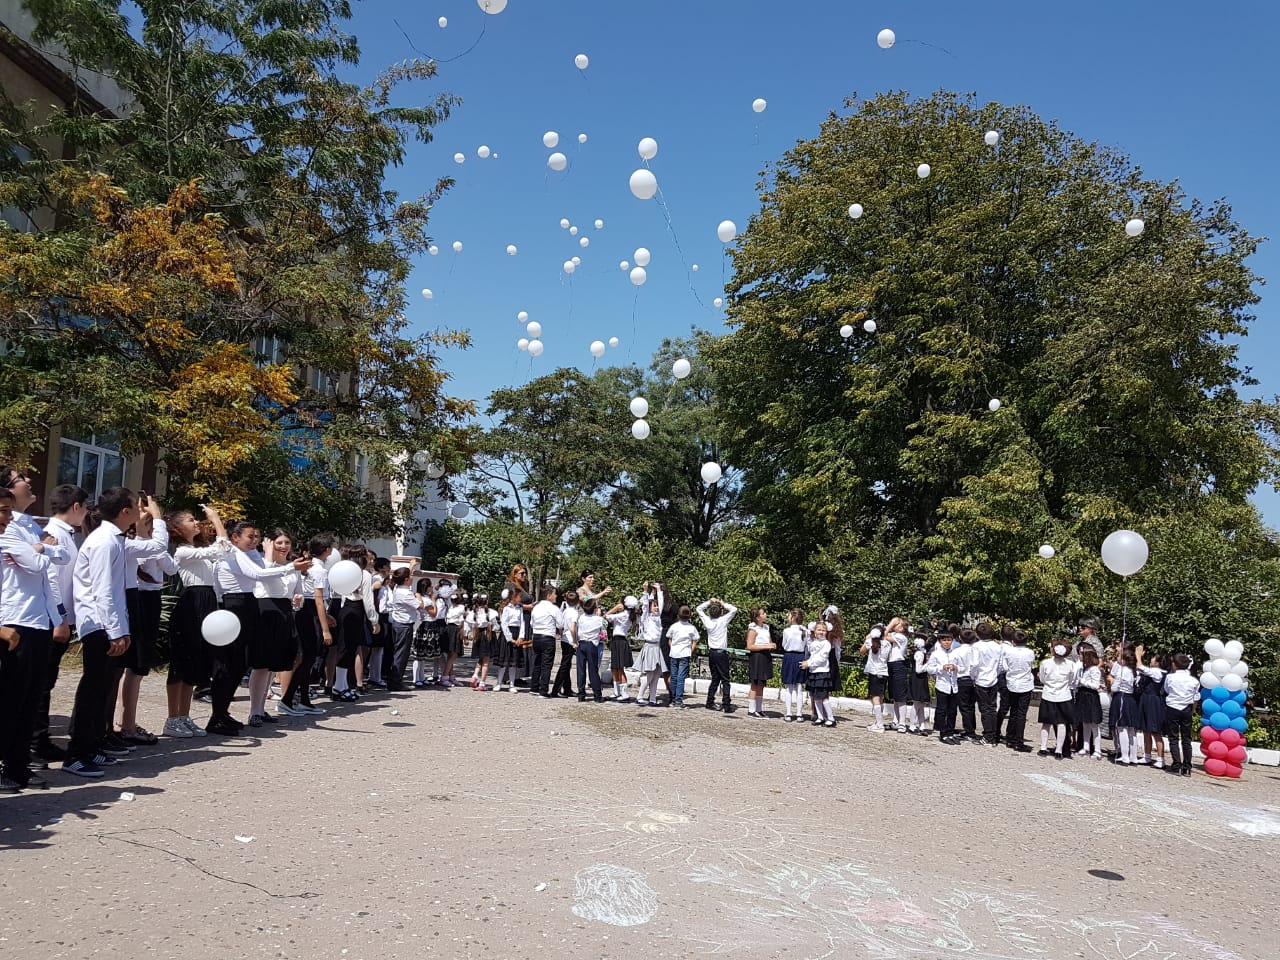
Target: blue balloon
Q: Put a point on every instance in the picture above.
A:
(1219, 721)
(1240, 724)
(1240, 696)
(1221, 694)
(1232, 709)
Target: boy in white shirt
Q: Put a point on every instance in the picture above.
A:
(1181, 690)
(684, 641)
(716, 616)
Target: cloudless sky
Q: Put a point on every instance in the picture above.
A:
(1182, 87)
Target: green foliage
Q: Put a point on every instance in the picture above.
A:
(480, 553)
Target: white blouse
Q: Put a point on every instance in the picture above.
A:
(1059, 680)
(897, 647)
(621, 623)
(1122, 678)
(1018, 664)
(878, 663)
(763, 636)
(1091, 678)
(196, 564)
(819, 654)
(793, 639)
(281, 588)
(401, 604)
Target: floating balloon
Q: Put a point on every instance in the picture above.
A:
(569, 266)
(923, 171)
(534, 329)
(557, 161)
(581, 61)
(613, 341)
(493, 7)
(1134, 227)
(759, 104)
(599, 224)
(597, 348)
(577, 261)
(523, 343)
(639, 407)
(221, 627)
(443, 21)
(564, 223)
(681, 368)
(459, 158)
(427, 294)
(459, 510)
(1047, 552)
(433, 249)
(435, 471)
(550, 139)
(694, 268)
(855, 211)
(536, 348)
(573, 231)
(644, 184)
(869, 326)
(1214, 647)
(522, 316)
(993, 404)
(584, 241)
(483, 152)
(718, 302)
(639, 275)
(1124, 552)
(726, 231)
(1233, 650)
(582, 138)
(886, 38)
(711, 473)
(647, 148)
(624, 265)
(512, 250)
(421, 459)
(846, 331)
(640, 430)
(345, 577)
(641, 257)
(457, 246)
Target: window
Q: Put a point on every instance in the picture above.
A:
(13, 216)
(319, 381)
(92, 461)
(269, 350)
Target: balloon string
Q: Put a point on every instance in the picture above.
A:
(1124, 617)
(925, 43)
(671, 229)
(634, 304)
(484, 23)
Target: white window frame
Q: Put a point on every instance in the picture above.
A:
(102, 450)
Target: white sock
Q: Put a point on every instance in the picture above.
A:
(1133, 743)
(920, 715)
(786, 700)
(340, 680)
(1061, 732)
(797, 694)
(1044, 736)
(1122, 744)
(879, 709)
(825, 705)
(1091, 737)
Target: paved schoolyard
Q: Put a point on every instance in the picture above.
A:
(465, 824)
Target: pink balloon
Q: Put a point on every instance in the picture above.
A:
(1215, 768)
(1237, 755)
(1231, 737)
(1234, 770)
(1217, 749)
(1209, 735)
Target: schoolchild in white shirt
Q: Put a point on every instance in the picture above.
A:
(794, 651)
(920, 687)
(1058, 677)
(1089, 702)
(683, 637)
(948, 661)
(1181, 690)
(817, 662)
(876, 649)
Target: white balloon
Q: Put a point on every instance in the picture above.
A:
(522, 316)
(512, 250)
(923, 171)
(433, 249)
(869, 326)
(582, 138)
(536, 348)
(1209, 681)
(855, 210)
(443, 21)
(1214, 647)
(640, 430)
(599, 224)
(550, 139)
(1240, 669)
(1047, 552)
(624, 265)
(1233, 650)
(581, 61)
(639, 407)
(435, 471)
(711, 473)
(573, 231)
(1134, 227)
(523, 343)
(641, 257)
(639, 275)
(647, 148)
(584, 241)
(1125, 553)
(422, 459)
(1207, 667)
(459, 510)
(457, 246)
(459, 158)
(681, 368)
(759, 104)
(993, 405)
(991, 138)
(1233, 682)
(569, 266)
(726, 231)
(718, 302)
(564, 223)
(577, 261)
(694, 268)
(886, 38)
(597, 348)
(644, 184)
(483, 152)
(493, 7)
(846, 331)
(557, 161)
(613, 341)
(533, 329)
(345, 577)
(427, 294)
(221, 627)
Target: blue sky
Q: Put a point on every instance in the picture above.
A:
(1179, 86)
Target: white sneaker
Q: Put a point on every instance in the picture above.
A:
(877, 727)
(175, 727)
(1097, 754)
(310, 708)
(284, 710)
(195, 730)
(1159, 764)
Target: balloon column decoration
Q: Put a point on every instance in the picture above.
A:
(1222, 707)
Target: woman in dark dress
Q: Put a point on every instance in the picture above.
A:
(521, 594)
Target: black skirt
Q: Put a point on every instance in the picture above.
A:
(426, 640)
(485, 644)
(275, 645)
(505, 652)
(919, 687)
(144, 630)
(620, 652)
(760, 667)
(877, 684)
(819, 684)
(188, 652)
(792, 672)
(1055, 713)
(453, 639)
(1151, 711)
(351, 632)
(1088, 706)
(1123, 712)
(899, 682)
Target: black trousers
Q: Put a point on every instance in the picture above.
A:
(589, 669)
(22, 678)
(987, 707)
(1177, 724)
(91, 695)
(944, 713)
(309, 642)
(387, 640)
(718, 660)
(1002, 694)
(1017, 705)
(561, 685)
(40, 727)
(967, 697)
(544, 654)
(401, 645)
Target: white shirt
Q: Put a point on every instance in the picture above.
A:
(793, 638)
(717, 627)
(897, 643)
(1122, 678)
(38, 592)
(651, 628)
(455, 614)
(239, 570)
(157, 568)
(945, 681)
(1058, 679)
(99, 583)
(1019, 666)
(878, 663)
(196, 564)
(364, 594)
(589, 627)
(986, 663)
(281, 588)
(512, 620)
(571, 615)
(316, 578)
(684, 637)
(65, 534)
(819, 654)
(1181, 690)
(28, 601)
(763, 636)
(1090, 678)
(621, 623)
(920, 658)
(1153, 673)
(548, 621)
(140, 549)
(401, 604)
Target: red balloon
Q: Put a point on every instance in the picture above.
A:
(1236, 755)
(1215, 768)
(1210, 735)
(1217, 750)
(1234, 770)
(1231, 737)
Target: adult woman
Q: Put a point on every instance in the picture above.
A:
(760, 664)
(274, 646)
(587, 588)
(189, 664)
(520, 594)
